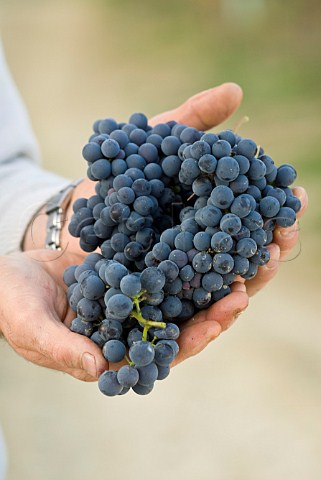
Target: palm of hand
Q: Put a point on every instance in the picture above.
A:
(39, 333)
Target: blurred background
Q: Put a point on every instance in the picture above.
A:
(247, 408)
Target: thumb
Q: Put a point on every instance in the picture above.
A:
(205, 109)
(73, 353)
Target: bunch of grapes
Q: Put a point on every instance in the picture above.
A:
(178, 214)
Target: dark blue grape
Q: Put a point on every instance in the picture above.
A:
(133, 251)
(210, 138)
(202, 241)
(202, 187)
(293, 202)
(110, 329)
(131, 148)
(164, 354)
(130, 285)
(69, 275)
(92, 152)
(141, 353)
(110, 148)
(201, 298)
(202, 262)
(152, 280)
(244, 163)
(171, 307)
(227, 169)
(253, 221)
(221, 242)
(223, 263)
(88, 310)
(269, 206)
(127, 376)
(241, 265)
(222, 197)
(114, 351)
(119, 305)
(97, 339)
(242, 205)
(286, 217)
(179, 257)
(212, 281)
(286, 175)
(189, 135)
(171, 165)
(142, 389)
(78, 325)
(108, 384)
(221, 148)
(153, 171)
(139, 119)
(136, 161)
(148, 374)
(121, 137)
(246, 247)
(162, 129)
(138, 136)
(170, 332)
(92, 287)
(231, 223)
(247, 148)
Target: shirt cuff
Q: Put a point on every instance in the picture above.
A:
(25, 188)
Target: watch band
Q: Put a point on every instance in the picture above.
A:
(55, 209)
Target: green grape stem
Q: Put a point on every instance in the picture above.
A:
(137, 314)
(132, 364)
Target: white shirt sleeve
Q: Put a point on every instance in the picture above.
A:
(24, 185)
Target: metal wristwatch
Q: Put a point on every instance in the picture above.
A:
(55, 209)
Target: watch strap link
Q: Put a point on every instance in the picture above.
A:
(55, 209)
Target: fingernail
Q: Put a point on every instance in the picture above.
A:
(89, 364)
(300, 193)
(289, 232)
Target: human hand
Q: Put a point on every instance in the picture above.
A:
(35, 316)
(38, 330)
(204, 111)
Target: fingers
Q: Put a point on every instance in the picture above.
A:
(287, 238)
(266, 272)
(303, 196)
(205, 109)
(195, 337)
(207, 325)
(227, 310)
(284, 241)
(55, 346)
(75, 352)
(41, 360)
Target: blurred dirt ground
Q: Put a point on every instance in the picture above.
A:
(247, 408)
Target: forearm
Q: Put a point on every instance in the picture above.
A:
(25, 188)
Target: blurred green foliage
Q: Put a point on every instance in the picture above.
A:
(271, 48)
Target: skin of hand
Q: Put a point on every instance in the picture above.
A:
(41, 334)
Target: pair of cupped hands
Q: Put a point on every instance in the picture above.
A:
(34, 312)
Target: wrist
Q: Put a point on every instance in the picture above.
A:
(35, 235)
(45, 228)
